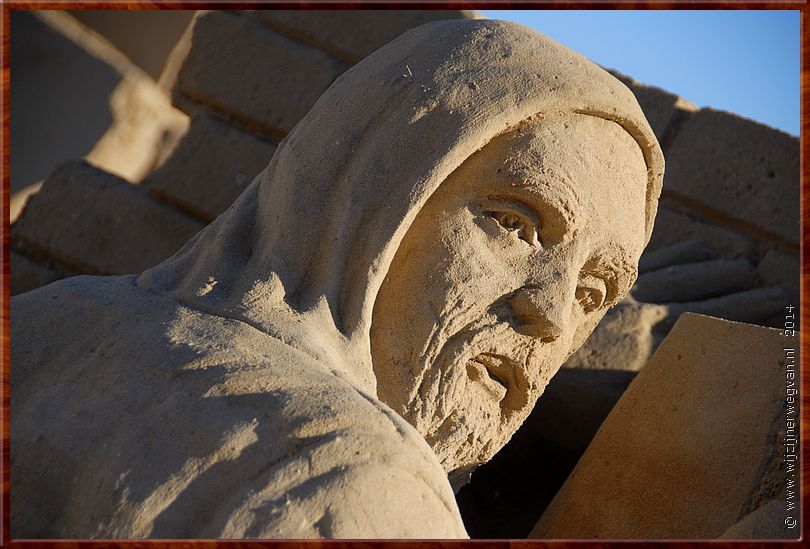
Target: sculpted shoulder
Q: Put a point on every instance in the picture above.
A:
(182, 433)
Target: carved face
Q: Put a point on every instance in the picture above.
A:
(503, 273)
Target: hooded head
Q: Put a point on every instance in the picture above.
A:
(444, 227)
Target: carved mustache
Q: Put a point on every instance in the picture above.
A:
(456, 323)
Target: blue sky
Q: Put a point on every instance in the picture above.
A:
(743, 61)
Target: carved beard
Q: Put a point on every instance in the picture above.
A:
(478, 390)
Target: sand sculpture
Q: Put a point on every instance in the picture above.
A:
(440, 232)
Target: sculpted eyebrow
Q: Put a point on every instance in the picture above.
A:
(552, 218)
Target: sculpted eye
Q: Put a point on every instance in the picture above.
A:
(515, 223)
(591, 292)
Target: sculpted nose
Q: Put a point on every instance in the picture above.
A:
(541, 313)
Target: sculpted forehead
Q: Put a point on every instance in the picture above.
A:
(588, 168)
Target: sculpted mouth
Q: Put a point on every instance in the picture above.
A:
(495, 360)
(495, 372)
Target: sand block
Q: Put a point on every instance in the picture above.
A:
(687, 251)
(738, 169)
(145, 126)
(210, 166)
(97, 223)
(251, 73)
(352, 34)
(59, 97)
(145, 36)
(28, 273)
(782, 269)
(693, 281)
(673, 226)
(695, 443)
